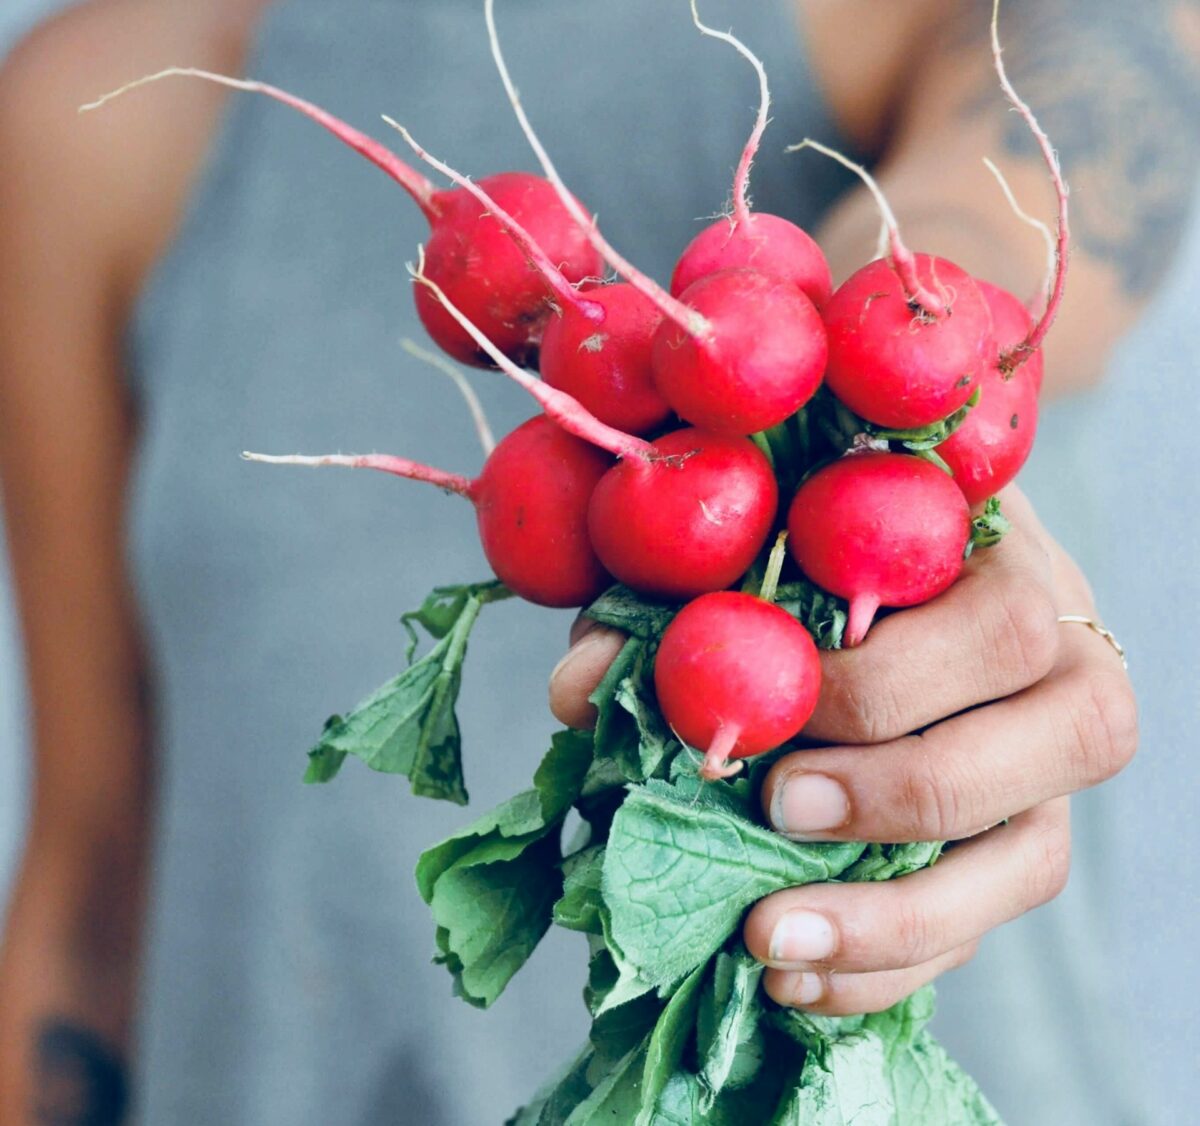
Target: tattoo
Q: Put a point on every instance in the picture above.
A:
(80, 1081)
(1116, 85)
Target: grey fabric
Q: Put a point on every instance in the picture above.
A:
(288, 975)
(289, 978)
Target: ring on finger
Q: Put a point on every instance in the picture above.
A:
(1096, 627)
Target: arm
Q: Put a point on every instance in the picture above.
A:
(1115, 87)
(86, 206)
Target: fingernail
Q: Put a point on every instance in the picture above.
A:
(799, 937)
(809, 803)
(587, 648)
(809, 988)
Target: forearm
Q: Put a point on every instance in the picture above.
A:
(1115, 89)
(68, 980)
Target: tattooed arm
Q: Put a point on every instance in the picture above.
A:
(1116, 86)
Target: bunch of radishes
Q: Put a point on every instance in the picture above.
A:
(654, 463)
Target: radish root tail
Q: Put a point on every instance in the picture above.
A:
(385, 463)
(417, 186)
(487, 439)
(902, 258)
(1037, 334)
(1043, 294)
(741, 179)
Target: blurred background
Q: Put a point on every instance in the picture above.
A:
(1113, 477)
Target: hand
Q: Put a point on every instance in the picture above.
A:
(949, 718)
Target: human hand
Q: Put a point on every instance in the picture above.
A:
(951, 717)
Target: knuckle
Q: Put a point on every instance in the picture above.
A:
(918, 935)
(1105, 725)
(1027, 633)
(869, 711)
(964, 954)
(930, 802)
(1049, 865)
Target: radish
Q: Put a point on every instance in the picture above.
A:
(890, 360)
(735, 676)
(676, 517)
(530, 503)
(713, 372)
(470, 255)
(909, 335)
(689, 522)
(596, 347)
(987, 451)
(763, 242)
(879, 529)
(757, 240)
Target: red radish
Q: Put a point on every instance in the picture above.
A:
(690, 521)
(879, 529)
(530, 501)
(596, 347)
(747, 239)
(470, 255)
(735, 676)
(606, 365)
(760, 241)
(719, 355)
(762, 362)
(676, 517)
(909, 335)
(892, 363)
(987, 451)
(1012, 324)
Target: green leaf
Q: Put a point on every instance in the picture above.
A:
(677, 879)
(554, 1100)
(581, 904)
(491, 916)
(616, 1097)
(632, 613)
(882, 1069)
(824, 615)
(492, 885)
(925, 437)
(409, 726)
(989, 527)
(727, 1022)
(629, 728)
(667, 1042)
(886, 862)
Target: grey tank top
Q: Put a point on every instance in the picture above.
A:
(288, 976)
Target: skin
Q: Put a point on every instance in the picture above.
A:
(87, 207)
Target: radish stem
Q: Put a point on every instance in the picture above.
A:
(567, 411)
(687, 318)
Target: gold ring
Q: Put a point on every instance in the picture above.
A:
(1096, 627)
